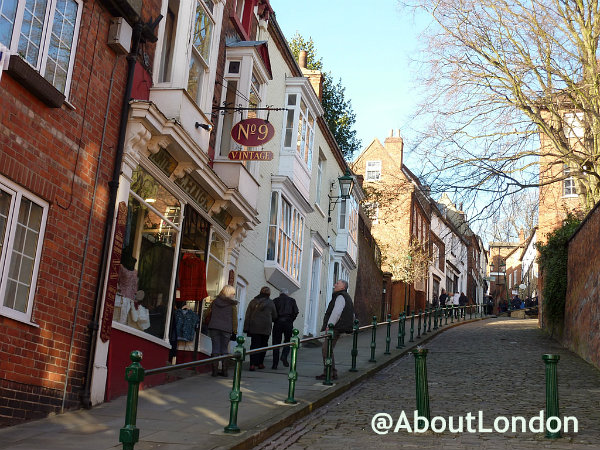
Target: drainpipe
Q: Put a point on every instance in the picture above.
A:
(113, 188)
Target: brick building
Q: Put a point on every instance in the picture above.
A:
(60, 124)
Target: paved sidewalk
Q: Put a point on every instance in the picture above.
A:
(493, 366)
(191, 413)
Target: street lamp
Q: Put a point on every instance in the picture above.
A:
(346, 183)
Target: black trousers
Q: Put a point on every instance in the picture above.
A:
(281, 329)
(258, 341)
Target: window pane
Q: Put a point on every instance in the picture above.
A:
(292, 99)
(217, 247)
(8, 10)
(195, 78)
(61, 43)
(147, 187)
(31, 30)
(202, 31)
(20, 271)
(147, 263)
(289, 127)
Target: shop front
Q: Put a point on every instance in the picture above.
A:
(176, 227)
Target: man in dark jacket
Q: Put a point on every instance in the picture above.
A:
(287, 311)
(260, 315)
(340, 313)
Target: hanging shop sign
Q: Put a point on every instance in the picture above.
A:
(197, 192)
(252, 132)
(113, 273)
(243, 155)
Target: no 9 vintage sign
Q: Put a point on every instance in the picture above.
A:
(252, 132)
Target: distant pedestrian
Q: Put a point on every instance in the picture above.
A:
(287, 311)
(260, 315)
(455, 303)
(340, 313)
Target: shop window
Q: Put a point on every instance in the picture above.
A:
(373, 171)
(22, 223)
(286, 229)
(149, 255)
(43, 33)
(216, 264)
(299, 130)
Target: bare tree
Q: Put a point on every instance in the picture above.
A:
(500, 73)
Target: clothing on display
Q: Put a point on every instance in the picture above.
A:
(192, 278)
(185, 324)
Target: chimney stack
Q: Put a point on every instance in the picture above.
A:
(314, 76)
(394, 145)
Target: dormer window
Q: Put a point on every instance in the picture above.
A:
(373, 172)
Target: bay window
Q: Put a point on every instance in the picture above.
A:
(202, 31)
(299, 130)
(22, 223)
(286, 230)
(44, 33)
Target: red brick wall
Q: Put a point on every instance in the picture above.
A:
(582, 308)
(54, 153)
(368, 297)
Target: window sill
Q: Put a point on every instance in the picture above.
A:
(139, 333)
(32, 80)
(570, 196)
(8, 313)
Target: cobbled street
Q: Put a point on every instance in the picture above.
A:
(494, 366)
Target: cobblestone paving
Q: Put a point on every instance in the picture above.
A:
(493, 366)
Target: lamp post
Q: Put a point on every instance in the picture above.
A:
(346, 184)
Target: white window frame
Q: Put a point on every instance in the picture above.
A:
(300, 136)
(289, 236)
(568, 185)
(373, 171)
(196, 56)
(573, 127)
(372, 210)
(41, 62)
(6, 251)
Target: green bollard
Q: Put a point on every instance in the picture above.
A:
(452, 314)
(329, 357)
(373, 339)
(419, 326)
(446, 314)
(134, 375)
(354, 351)
(430, 313)
(235, 396)
(412, 327)
(422, 388)
(471, 312)
(424, 321)
(293, 374)
(551, 362)
(400, 332)
(388, 339)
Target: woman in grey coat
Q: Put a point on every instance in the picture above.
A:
(260, 315)
(222, 324)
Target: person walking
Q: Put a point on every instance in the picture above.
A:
(222, 325)
(260, 315)
(455, 303)
(340, 313)
(287, 311)
(443, 300)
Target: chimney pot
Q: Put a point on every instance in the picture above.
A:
(302, 59)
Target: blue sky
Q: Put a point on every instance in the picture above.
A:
(369, 46)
